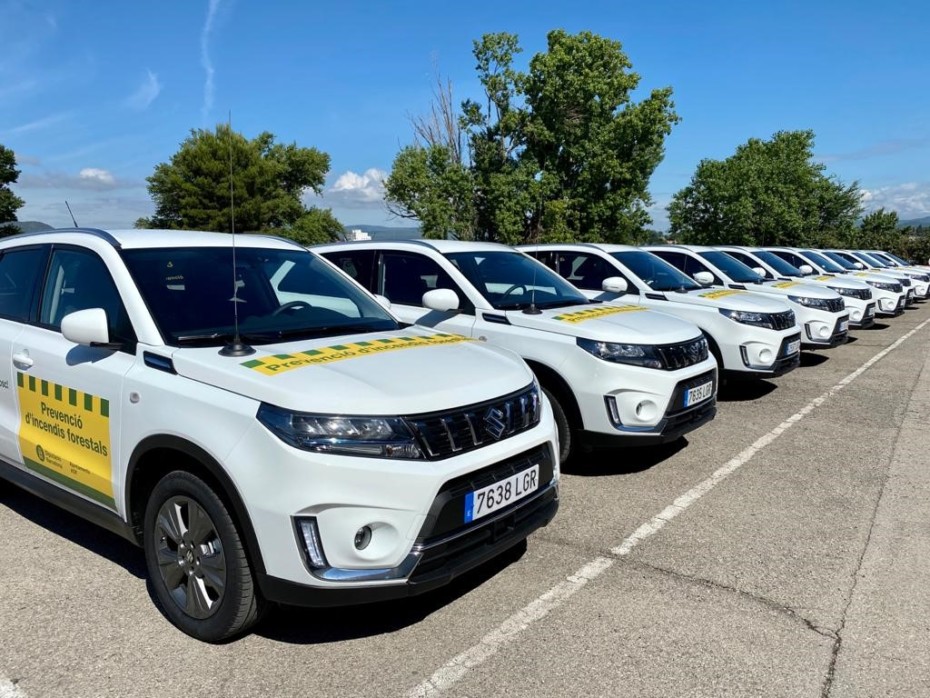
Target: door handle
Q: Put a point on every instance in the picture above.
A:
(22, 360)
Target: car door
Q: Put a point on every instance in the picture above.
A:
(20, 276)
(69, 395)
(403, 277)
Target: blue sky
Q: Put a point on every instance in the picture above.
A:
(93, 95)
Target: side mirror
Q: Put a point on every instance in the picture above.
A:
(441, 299)
(615, 284)
(705, 278)
(383, 301)
(859, 265)
(806, 269)
(760, 271)
(87, 327)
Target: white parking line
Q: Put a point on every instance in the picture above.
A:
(511, 629)
(8, 689)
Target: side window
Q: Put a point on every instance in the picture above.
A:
(78, 280)
(693, 266)
(405, 277)
(358, 264)
(676, 259)
(749, 262)
(20, 273)
(585, 271)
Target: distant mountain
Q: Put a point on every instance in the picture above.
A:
(925, 221)
(29, 226)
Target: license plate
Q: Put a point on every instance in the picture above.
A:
(696, 395)
(870, 311)
(844, 325)
(793, 347)
(489, 499)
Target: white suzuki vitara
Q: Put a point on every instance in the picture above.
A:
(259, 423)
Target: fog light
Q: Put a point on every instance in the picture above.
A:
(362, 537)
(824, 332)
(856, 316)
(313, 546)
(765, 356)
(646, 410)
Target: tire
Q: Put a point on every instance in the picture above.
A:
(563, 425)
(196, 560)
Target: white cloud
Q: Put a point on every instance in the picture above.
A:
(909, 200)
(145, 94)
(87, 179)
(36, 125)
(205, 60)
(352, 190)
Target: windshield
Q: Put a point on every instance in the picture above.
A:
(737, 271)
(841, 260)
(825, 263)
(897, 258)
(777, 263)
(654, 271)
(279, 294)
(870, 260)
(514, 281)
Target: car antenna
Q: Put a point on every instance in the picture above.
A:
(532, 309)
(71, 214)
(236, 347)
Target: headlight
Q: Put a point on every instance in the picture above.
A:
(747, 317)
(633, 354)
(818, 303)
(886, 286)
(861, 293)
(375, 437)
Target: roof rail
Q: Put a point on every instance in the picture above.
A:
(96, 232)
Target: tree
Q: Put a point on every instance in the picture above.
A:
(9, 202)
(877, 231)
(766, 193)
(560, 152)
(192, 190)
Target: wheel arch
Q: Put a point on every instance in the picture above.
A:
(553, 381)
(156, 456)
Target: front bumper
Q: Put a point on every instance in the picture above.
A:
(866, 316)
(838, 334)
(445, 548)
(891, 308)
(785, 363)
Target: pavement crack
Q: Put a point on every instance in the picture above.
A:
(754, 598)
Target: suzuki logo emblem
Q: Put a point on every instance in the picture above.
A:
(494, 423)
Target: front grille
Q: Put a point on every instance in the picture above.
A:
(906, 283)
(782, 321)
(444, 434)
(676, 356)
(835, 305)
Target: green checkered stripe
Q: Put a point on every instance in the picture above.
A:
(66, 396)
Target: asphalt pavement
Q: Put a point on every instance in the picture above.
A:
(781, 550)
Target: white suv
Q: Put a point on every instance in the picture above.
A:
(259, 424)
(920, 279)
(821, 312)
(751, 336)
(857, 296)
(614, 374)
(891, 292)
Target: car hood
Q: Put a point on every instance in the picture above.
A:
(728, 299)
(834, 281)
(608, 322)
(386, 373)
(793, 288)
(875, 276)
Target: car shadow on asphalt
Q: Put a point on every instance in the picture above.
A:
(809, 358)
(744, 390)
(314, 626)
(617, 461)
(75, 529)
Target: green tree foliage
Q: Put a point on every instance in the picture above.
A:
(9, 202)
(192, 190)
(767, 193)
(877, 231)
(560, 152)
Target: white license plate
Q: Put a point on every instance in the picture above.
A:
(793, 347)
(844, 326)
(497, 496)
(702, 392)
(870, 311)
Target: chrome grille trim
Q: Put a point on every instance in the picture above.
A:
(444, 434)
(684, 354)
